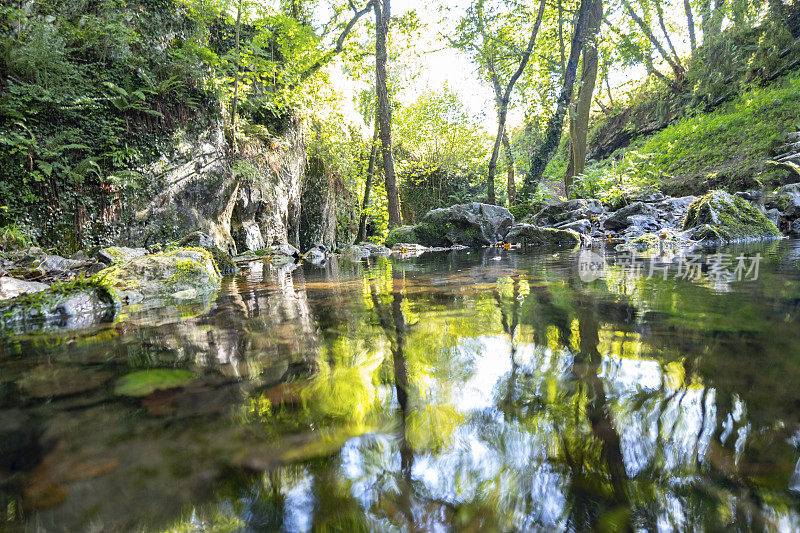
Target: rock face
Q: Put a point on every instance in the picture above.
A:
(69, 305)
(12, 287)
(195, 189)
(267, 203)
(472, 225)
(721, 217)
(183, 274)
(530, 235)
(246, 206)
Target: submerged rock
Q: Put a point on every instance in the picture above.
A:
(721, 217)
(12, 287)
(472, 225)
(71, 305)
(531, 235)
(164, 276)
(144, 382)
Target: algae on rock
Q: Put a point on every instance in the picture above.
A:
(721, 217)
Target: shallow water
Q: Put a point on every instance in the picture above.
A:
(483, 390)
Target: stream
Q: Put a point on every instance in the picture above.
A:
(472, 390)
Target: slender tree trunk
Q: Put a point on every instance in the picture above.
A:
(382, 16)
(673, 62)
(504, 98)
(373, 155)
(687, 6)
(511, 181)
(236, 76)
(561, 37)
(555, 126)
(579, 123)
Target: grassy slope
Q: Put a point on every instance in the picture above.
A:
(725, 148)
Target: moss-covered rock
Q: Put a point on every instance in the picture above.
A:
(181, 274)
(119, 254)
(530, 235)
(71, 305)
(403, 234)
(721, 217)
(223, 259)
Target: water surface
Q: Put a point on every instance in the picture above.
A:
(483, 390)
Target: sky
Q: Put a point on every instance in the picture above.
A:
(442, 65)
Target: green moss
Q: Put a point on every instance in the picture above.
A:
(145, 382)
(721, 217)
(403, 234)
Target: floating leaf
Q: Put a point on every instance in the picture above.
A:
(144, 382)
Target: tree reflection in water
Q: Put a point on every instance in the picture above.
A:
(460, 392)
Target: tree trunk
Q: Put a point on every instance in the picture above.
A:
(382, 16)
(512, 185)
(373, 155)
(236, 76)
(555, 126)
(687, 6)
(503, 98)
(579, 123)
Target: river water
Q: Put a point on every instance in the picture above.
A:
(474, 390)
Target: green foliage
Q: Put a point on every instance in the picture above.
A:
(723, 148)
(14, 237)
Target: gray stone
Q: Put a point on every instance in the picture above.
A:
(794, 228)
(621, 219)
(119, 254)
(568, 211)
(12, 287)
(160, 277)
(528, 234)
(472, 225)
(583, 225)
(197, 238)
(318, 255)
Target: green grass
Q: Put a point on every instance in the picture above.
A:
(725, 148)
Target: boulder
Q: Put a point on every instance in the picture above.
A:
(621, 218)
(402, 234)
(71, 305)
(35, 263)
(12, 287)
(789, 200)
(222, 258)
(181, 274)
(317, 255)
(569, 211)
(721, 217)
(794, 228)
(531, 235)
(119, 254)
(583, 225)
(357, 252)
(472, 225)
(409, 248)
